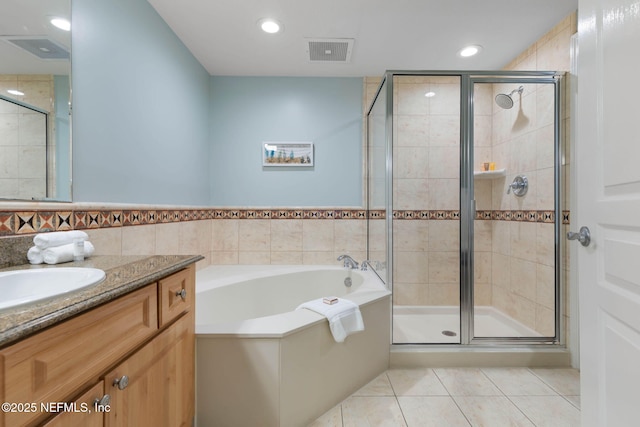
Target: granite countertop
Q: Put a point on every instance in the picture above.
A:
(123, 274)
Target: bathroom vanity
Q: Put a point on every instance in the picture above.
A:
(120, 353)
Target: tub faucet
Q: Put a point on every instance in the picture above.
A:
(348, 261)
(364, 264)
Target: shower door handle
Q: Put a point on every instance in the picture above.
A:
(583, 236)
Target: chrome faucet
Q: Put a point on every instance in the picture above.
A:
(348, 261)
(364, 264)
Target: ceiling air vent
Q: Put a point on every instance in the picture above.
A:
(329, 50)
(40, 46)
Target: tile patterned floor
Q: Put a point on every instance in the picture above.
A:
(451, 397)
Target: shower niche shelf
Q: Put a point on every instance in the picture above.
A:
(498, 173)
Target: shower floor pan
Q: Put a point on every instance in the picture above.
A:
(441, 324)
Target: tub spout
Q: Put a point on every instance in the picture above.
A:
(348, 262)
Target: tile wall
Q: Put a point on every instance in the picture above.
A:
(426, 179)
(514, 240)
(22, 136)
(523, 273)
(222, 236)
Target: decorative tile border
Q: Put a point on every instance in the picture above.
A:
(28, 222)
(21, 222)
(546, 217)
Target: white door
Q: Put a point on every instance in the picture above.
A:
(607, 166)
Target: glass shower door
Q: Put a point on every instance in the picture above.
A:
(515, 140)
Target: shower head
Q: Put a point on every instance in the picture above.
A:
(505, 101)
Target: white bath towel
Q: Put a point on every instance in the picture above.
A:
(60, 254)
(58, 238)
(344, 316)
(34, 255)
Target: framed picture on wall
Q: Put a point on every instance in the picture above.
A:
(287, 154)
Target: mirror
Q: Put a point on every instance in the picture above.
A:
(35, 127)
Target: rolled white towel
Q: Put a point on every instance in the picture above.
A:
(59, 254)
(34, 255)
(58, 238)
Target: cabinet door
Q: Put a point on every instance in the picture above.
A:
(53, 365)
(83, 412)
(155, 386)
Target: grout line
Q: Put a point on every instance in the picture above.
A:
(395, 395)
(570, 402)
(460, 409)
(521, 411)
(491, 381)
(401, 411)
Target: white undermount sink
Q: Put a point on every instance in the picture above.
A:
(19, 287)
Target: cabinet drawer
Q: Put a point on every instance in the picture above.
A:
(84, 414)
(52, 365)
(176, 294)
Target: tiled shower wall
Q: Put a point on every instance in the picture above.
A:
(514, 240)
(426, 179)
(528, 294)
(22, 136)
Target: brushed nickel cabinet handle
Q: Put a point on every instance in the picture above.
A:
(121, 382)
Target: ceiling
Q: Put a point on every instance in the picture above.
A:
(398, 34)
(31, 18)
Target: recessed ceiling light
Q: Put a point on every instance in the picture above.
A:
(61, 23)
(430, 94)
(15, 92)
(469, 50)
(270, 26)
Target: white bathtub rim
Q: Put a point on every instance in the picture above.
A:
(282, 324)
(215, 276)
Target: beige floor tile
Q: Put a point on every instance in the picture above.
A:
(416, 382)
(575, 400)
(331, 418)
(518, 382)
(466, 382)
(431, 411)
(491, 411)
(565, 381)
(379, 386)
(379, 411)
(548, 411)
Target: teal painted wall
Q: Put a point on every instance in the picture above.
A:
(151, 126)
(245, 111)
(140, 108)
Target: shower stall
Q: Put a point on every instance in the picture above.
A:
(464, 191)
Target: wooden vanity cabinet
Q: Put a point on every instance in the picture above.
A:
(75, 359)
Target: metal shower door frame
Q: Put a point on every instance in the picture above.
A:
(467, 202)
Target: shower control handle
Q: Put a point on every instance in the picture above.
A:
(520, 185)
(583, 236)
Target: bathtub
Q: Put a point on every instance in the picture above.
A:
(260, 362)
